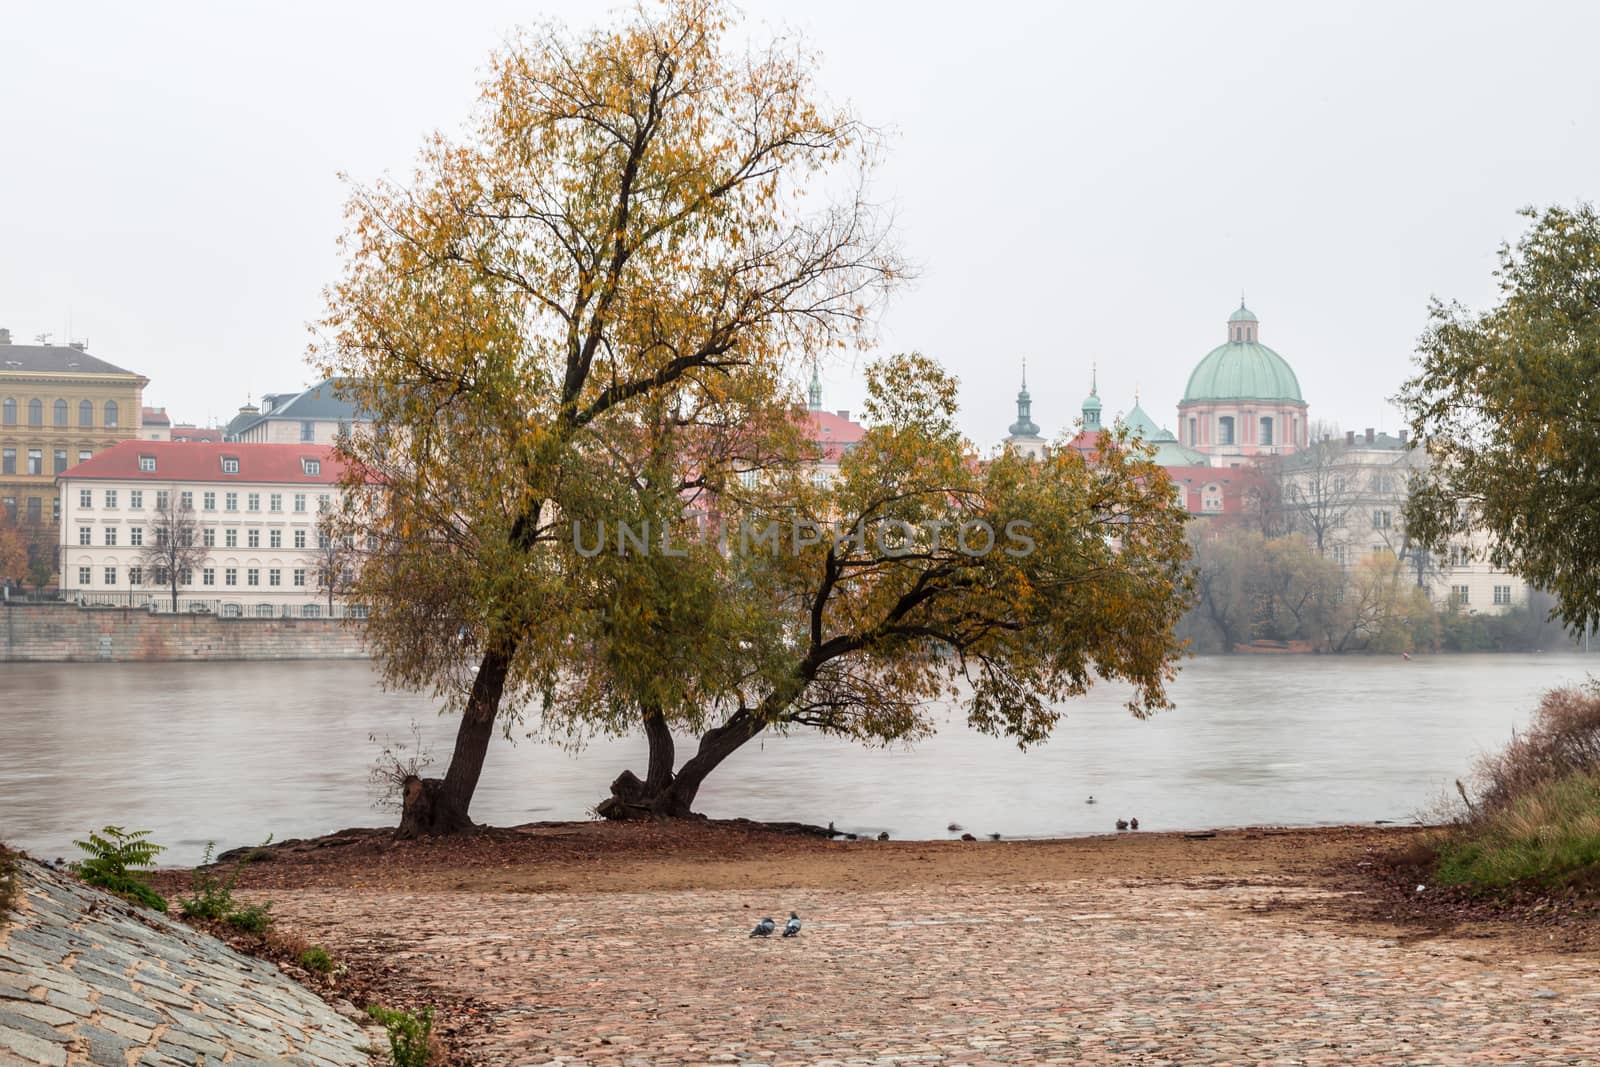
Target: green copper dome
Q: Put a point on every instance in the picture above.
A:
(1243, 369)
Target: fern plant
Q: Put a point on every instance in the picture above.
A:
(114, 860)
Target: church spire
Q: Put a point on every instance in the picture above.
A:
(814, 393)
(1091, 403)
(1024, 426)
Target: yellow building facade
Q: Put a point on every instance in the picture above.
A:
(59, 405)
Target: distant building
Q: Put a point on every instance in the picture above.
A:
(256, 509)
(186, 432)
(154, 425)
(59, 405)
(314, 416)
(1243, 399)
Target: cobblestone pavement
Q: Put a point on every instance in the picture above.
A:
(1067, 972)
(85, 978)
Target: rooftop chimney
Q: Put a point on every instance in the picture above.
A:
(5, 337)
(1349, 437)
(1369, 435)
(1402, 437)
(844, 413)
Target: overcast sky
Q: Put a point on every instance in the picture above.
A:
(1086, 183)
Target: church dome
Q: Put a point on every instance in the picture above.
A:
(1243, 368)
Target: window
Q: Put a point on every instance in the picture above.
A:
(61, 461)
(300, 502)
(208, 576)
(299, 539)
(1266, 431)
(147, 464)
(274, 576)
(136, 536)
(86, 498)
(1460, 555)
(323, 501)
(1225, 430)
(208, 501)
(275, 502)
(252, 501)
(35, 461)
(208, 537)
(86, 535)
(161, 536)
(230, 576)
(313, 467)
(1337, 554)
(263, 611)
(275, 539)
(8, 412)
(111, 576)
(111, 498)
(186, 500)
(9, 506)
(136, 498)
(60, 409)
(311, 611)
(748, 478)
(1502, 594)
(230, 611)
(84, 454)
(230, 464)
(253, 538)
(35, 412)
(8, 461)
(358, 611)
(252, 576)
(230, 538)
(111, 535)
(1380, 519)
(84, 578)
(163, 498)
(300, 576)
(322, 540)
(111, 413)
(1194, 431)
(308, 430)
(85, 414)
(136, 575)
(230, 502)
(34, 509)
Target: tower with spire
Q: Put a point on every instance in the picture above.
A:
(814, 391)
(1024, 436)
(1091, 403)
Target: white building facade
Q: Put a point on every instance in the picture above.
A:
(256, 510)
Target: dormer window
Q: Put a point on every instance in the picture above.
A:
(313, 467)
(230, 464)
(147, 464)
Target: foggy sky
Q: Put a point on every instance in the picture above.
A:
(1088, 185)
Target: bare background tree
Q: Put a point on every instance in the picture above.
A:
(172, 548)
(1319, 490)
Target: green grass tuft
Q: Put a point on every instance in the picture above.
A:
(316, 958)
(1547, 835)
(409, 1034)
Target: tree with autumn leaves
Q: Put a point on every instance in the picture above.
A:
(587, 309)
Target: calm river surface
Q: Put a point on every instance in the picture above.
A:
(234, 751)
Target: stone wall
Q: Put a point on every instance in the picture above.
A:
(55, 633)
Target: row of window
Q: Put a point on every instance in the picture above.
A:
(208, 500)
(59, 412)
(208, 576)
(35, 460)
(1266, 431)
(208, 537)
(35, 508)
(1462, 594)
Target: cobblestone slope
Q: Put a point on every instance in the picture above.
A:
(88, 979)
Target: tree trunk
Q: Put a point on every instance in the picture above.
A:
(663, 753)
(440, 805)
(673, 797)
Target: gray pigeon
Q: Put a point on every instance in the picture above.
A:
(1133, 824)
(791, 927)
(1122, 824)
(764, 928)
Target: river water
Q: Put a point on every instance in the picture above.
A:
(233, 752)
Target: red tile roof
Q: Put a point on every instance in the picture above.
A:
(156, 417)
(196, 433)
(201, 461)
(833, 433)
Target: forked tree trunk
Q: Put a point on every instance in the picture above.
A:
(434, 806)
(672, 796)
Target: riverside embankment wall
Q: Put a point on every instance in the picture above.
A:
(66, 633)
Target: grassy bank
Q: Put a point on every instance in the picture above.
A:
(1535, 820)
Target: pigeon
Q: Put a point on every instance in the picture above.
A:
(884, 836)
(1090, 800)
(764, 928)
(791, 927)
(955, 828)
(1122, 824)
(1133, 824)
(968, 837)
(994, 837)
